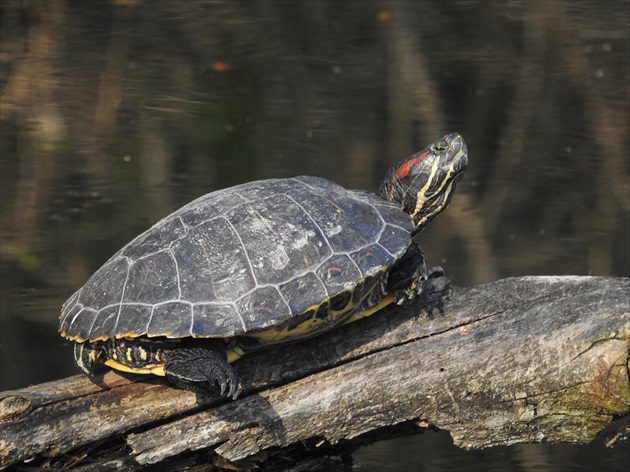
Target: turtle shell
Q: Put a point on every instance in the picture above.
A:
(241, 260)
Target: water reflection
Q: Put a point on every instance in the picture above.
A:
(434, 452)
(116, 113)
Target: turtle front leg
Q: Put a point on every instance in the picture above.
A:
(407, 278)
(200, 368)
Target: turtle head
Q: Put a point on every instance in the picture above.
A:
(424, 183)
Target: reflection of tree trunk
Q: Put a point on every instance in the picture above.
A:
(609, 128)
(529, 87)
(295, 112)
(412, 95)
(29, 95)
(547, 28)
(101, 126)
(469, 232)
(154, 164)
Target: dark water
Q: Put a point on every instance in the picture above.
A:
(116, 113)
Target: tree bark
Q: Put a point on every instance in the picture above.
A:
(525, 359)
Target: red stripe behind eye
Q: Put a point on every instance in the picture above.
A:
(406, 166)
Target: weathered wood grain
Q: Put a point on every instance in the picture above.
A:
(519, 360)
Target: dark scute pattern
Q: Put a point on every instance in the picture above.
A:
(82, 324)
(346, 223)
(323, 311)
(105, 321)
(371, 257)
(105, 287)
(134, 320)
(391, 213)
(293, 323)
(209, 319)
(152, 279)
(280, 238)
(213, 266)
(340, 301)
(359, 292)
(70, 309)
(158, 237)
(262, 308)
(173, 320)
(247, 257)
(337, 273)
(208, 206)
(261, 189)
(318, 184)
(301, 291)
(393, 239)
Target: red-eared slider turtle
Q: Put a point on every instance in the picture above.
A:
(260, 263)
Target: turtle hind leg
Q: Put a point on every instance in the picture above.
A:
(86, 356)
(199, 368)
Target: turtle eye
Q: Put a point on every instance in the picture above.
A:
(440, 147)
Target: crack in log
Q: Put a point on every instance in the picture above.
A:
(601, 341)
(508, 364)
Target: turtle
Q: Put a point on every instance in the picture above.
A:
(258, 264)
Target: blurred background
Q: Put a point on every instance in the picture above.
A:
(115, 113)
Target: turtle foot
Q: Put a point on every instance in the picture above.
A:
(199, 369)
(411, 292)
(435, 272)
(421, 285)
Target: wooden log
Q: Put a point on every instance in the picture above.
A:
(525, 359)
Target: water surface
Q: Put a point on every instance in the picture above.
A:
(116, 113)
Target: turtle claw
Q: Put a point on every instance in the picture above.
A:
(221, 380)
(420, 285)
(235, 389)
(229, 377)
(435, 272)
(227, 381)
(200, 369)
(410, 293)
